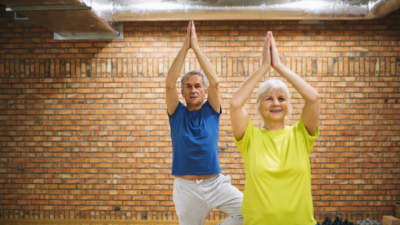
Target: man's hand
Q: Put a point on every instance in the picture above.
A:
(193, 36)
(186, 45)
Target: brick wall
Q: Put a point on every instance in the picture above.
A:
(84, 130)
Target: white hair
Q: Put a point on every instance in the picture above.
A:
(271, 86)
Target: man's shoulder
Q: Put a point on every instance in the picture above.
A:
(178, 110)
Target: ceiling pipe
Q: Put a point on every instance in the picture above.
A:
(166, 10)
(67, 18)
(383, 8)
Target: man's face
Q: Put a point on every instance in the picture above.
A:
(193, 90)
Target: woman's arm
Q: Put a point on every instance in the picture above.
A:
(172, 96)
(239, 116)
(310, 113)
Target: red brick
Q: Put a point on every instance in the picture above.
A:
(88, 138)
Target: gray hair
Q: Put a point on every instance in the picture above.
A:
(193, 72)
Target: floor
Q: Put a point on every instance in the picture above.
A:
(91, 222)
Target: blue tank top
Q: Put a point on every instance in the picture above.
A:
(194, 137)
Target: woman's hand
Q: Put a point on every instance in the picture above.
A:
(266, 52)
(276, 61)
(193, 36)
(186, 45)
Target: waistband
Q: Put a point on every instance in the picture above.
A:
(203, 181)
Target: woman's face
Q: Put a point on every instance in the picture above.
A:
(274, 107)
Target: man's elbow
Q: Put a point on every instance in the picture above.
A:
(214, 84)
(170, 86)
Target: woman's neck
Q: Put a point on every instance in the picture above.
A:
(274, 125)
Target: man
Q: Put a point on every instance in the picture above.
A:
(199, 185)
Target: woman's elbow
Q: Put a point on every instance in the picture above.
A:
(314, 98)
(234, 104)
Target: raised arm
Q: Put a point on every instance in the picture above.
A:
(311, 110)
(239, 116)
(172, 96)
(213, 89)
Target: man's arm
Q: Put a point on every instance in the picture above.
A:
(172, 97)
(213, 90)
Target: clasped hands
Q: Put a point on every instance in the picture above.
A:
(191, 38)
(270, 54)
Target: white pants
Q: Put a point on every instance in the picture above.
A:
(194, 200)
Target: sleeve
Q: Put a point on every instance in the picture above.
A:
(245, 143)
(178, 108)
(177, 114)
(215, 113)
(308, 139)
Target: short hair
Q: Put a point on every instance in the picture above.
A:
(193, 72)
(271, 86)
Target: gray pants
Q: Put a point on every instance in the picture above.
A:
(194, 200)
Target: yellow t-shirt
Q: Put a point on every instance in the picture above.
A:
(278, 176)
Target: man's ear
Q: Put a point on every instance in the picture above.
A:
(206, 90)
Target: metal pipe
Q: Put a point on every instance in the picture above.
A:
(383, 8)
(159, 10)
(48, 8)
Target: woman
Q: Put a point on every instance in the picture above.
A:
(278, 179)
